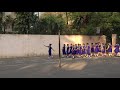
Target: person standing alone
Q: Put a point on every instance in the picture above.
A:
(50, 50)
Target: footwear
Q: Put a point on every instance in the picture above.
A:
(48, 57)
(73, 57)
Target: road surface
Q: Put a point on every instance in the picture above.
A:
(37, 67)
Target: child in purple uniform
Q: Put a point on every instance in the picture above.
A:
(119, 51)
(80, 50)
(49, 50)
(96, 50)
(63, 50)
(109, 49)
(67, 52)
(83, 50)
(88, 50)
(103, 49)
(73, 51)
(99, 49)
(70, 50)
(92, 49)
(116, 49)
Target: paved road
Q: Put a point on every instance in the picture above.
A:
(37, 67)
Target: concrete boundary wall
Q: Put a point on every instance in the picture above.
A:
(17, 45)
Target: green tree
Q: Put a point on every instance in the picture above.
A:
(24, 21)
(1, 16)
(7, 20)
(50, 24)
(82, 23)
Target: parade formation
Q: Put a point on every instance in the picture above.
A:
(87, 50)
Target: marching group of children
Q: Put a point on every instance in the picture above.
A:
(86, 50)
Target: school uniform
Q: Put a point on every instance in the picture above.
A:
(116, 49)
(103, 49)
(80, 50)
(76, 49)
(88, 50)
(96, 49)
(99, 48)
(68, 50)
(50, 51)
(83, 50)
(73, 51)
(92, 49)
(110, 49)
(63, 50)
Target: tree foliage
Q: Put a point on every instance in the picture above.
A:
(24, 21)
(82, 23)
(51, 24)
(1, 16)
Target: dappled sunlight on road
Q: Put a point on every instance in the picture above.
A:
(46, 69)
(28, 66)
(78, 67)
(74, 66)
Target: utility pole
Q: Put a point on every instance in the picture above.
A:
(57, 27)
(59, 51)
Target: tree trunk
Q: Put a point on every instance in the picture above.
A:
(67, 17)
(28, 28)
(12, 26)
(28, 25)
(4, 29)
(38, 15)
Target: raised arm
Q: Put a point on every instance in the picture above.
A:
(46, 46)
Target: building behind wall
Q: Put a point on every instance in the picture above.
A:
(8, 28)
